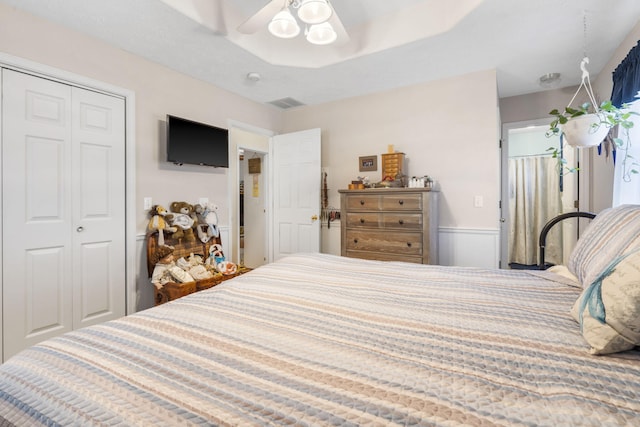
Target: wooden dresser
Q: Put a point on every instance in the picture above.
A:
(390, 224)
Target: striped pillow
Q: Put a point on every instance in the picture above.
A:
(612, 232)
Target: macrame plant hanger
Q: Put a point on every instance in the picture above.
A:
(584, 129)
(586, 81)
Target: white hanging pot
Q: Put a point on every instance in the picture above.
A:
(580, 132)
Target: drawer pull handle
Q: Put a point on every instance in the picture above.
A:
(409, 244)
(401, 202)
(401, 222)
(355, 241)
(361, 220)
(361, 202)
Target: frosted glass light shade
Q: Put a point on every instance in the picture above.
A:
(314, 11)
(321, 34)
(284, 25)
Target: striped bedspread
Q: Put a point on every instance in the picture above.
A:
(322, 340)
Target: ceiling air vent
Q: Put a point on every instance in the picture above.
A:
(286, 103)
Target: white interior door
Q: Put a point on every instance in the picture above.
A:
(296, 200)
(63, 209)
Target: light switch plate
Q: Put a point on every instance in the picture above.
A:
(148, 202)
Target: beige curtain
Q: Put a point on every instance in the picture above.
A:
(534, 199)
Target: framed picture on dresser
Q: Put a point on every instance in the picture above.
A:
(368, 163)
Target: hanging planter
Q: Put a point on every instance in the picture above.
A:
(589, 125)
(585, 131)
(580, 127)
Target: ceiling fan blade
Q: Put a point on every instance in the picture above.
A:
(261, 18)
(336, 23)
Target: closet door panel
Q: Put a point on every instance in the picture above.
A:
(36, 201)
(44, 292)
(99, 227)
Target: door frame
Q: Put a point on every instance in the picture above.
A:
(265, 191)
(233, 180)
(66, 77)
(583, 183)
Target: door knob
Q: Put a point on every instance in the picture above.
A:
(314, 218)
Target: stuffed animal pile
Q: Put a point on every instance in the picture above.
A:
(190, 269)
(186, 221)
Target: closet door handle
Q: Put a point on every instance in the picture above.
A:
(80, 229)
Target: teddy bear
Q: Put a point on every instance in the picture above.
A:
(159, 222)
(183, 221)
(210, 215)
(202, 228)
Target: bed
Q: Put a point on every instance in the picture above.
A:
(317, 339)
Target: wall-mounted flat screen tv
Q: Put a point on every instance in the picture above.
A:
(190, 142)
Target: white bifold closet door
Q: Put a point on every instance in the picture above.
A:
(63, 209)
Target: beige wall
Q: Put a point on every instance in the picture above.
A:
(537, 106)
(448, 130)
(158, 90)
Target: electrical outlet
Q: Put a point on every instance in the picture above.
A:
(478, 201)
(148, 202)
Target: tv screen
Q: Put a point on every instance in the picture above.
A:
(196, 143)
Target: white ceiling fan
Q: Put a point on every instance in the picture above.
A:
(321, 22)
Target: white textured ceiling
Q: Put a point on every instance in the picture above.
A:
(521, 39)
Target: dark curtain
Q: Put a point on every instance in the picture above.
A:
(626, 78)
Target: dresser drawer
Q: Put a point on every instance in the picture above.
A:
(359, 202)
(387, 220)
(390, 202)
(365, 219)
(401, 202)
(404, 221)
(385, 256)
(383, 241)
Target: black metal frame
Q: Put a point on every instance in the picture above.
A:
(551, 223)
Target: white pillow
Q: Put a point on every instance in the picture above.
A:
(609, 309)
